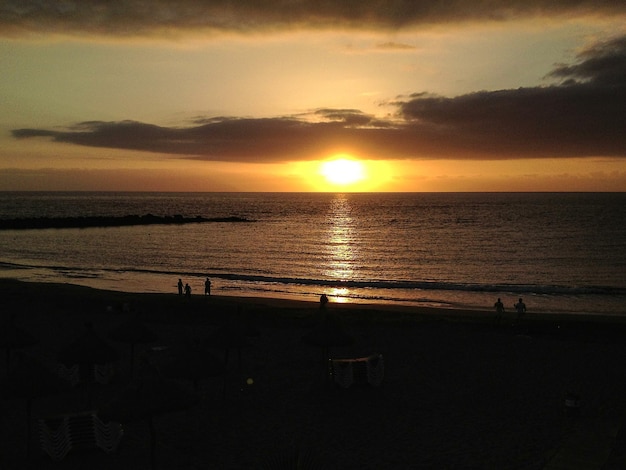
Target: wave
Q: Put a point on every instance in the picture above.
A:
(427, 285)
(373, 285)
(358, 296)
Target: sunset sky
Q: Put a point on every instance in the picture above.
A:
(257, 95)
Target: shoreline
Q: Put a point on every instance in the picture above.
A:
(156, 282)
(299, 305)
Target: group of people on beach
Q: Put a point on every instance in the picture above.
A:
(186, 289)
(520, 308)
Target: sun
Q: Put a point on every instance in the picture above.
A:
(343, 171)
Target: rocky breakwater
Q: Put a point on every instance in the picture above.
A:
(108, 221)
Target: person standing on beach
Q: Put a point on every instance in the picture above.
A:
(520, 306)
(180, 287)
(207, 287)
(499, 306)
(323, 301)
(187, 291)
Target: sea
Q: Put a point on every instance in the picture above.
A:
(560, 252)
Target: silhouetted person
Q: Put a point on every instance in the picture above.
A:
(323, 301)
(207, 287)
(187, 291)
(520, 307)
(499, 306)
(180, 287)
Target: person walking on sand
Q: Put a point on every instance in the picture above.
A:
(187, 291)
(499, 306)
(180, 287)
(207, 287)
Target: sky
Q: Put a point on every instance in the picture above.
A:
(416, 95)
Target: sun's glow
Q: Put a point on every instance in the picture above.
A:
(343, 171)
(359, 175)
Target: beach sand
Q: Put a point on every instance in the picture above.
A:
(460, 390)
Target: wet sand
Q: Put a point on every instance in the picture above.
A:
(460, 389)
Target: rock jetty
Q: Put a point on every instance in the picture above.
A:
(106, 221)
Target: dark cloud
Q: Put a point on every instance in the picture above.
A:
(603, 63)
(160, 17)
(226, 139)
(583, 115)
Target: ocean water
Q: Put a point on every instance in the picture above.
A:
(560, 252)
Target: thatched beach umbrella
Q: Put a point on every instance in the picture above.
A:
(133, 332)
(88, 349)
(248, 323)
(226, 338)
(13, 337)
(327, 333)
(27, 380)
(189, 362)
(146, 399)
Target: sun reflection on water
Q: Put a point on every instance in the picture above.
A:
(342, 250)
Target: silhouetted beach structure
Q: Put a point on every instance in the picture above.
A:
(247, 322)
(230, 336)
(190, 362)
(88, 349)
(13, 337)
(146, 399)
(327, 333)
(87, 360)
(27, 380)
(368, 370)
(133, 332)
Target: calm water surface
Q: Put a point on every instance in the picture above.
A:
(561, 252)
